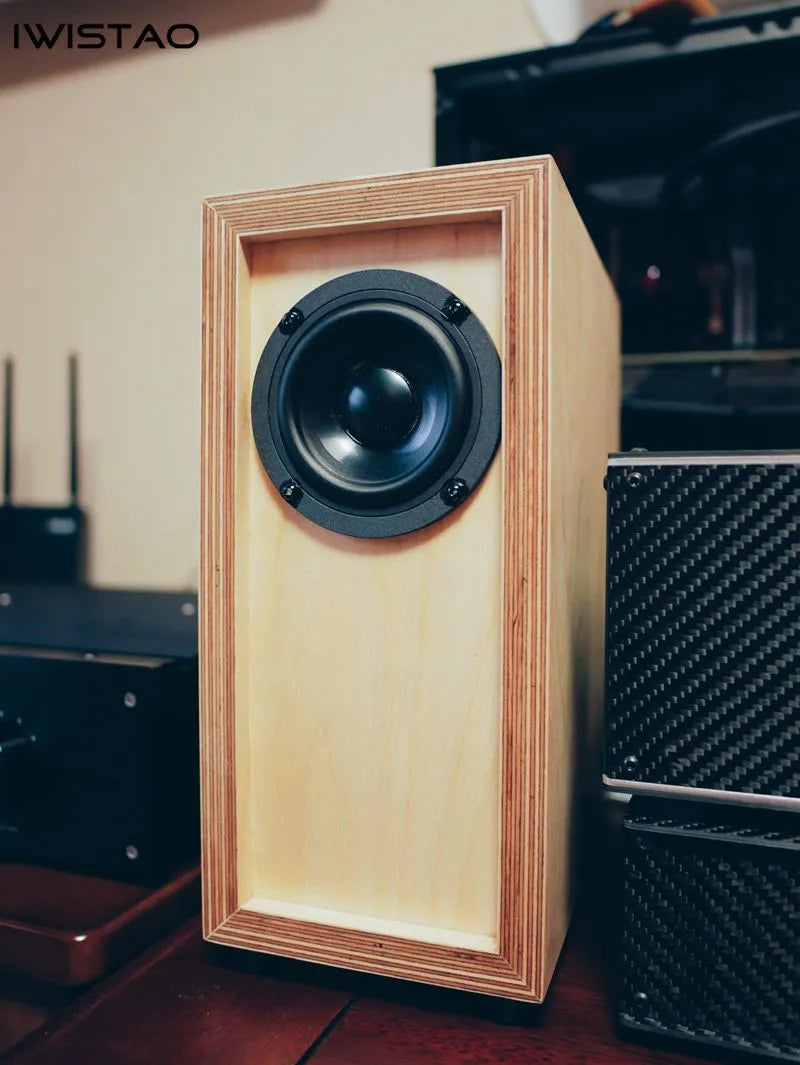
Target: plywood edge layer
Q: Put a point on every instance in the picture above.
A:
(446, 937)
(217, 785)
(438, 175)
(428, 963)
(525, 592)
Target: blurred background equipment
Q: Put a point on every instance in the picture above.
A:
(98, 730)
(563, 21)
(655, 12)
(680, 142)
(41, 544)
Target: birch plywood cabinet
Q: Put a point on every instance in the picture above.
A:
(402, 575)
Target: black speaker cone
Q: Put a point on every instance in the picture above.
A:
(371, 401)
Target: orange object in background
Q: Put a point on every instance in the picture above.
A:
(656, 10)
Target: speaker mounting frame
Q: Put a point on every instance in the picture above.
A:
(478, 442)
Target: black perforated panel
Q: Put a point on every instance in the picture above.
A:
(703, 626)
(711, 930)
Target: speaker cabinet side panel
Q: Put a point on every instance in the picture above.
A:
(369, 689)
(583, 427)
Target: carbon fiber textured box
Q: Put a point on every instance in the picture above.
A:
(710, 939)
(703, 625)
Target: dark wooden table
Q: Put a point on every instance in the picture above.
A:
(181, 1002)
(60, 931)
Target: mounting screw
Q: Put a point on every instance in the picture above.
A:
(629, 762)
(291, 492)
(640, 998)
(187, 609)
(455, 311)
(291, 321)
(130, 700)
(634, 479)
(5, 599)
(131, 852)
(454, 491)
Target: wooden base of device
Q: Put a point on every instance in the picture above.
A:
(393, 730)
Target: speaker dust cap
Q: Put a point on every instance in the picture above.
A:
(376, 404)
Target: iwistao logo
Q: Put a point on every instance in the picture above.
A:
(117, 35)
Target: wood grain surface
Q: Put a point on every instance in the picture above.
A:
(368, 672)
(500, 934)
(176, 1005)
(583, 426)
(575, 1026)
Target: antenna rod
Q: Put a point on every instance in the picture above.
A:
(8, 431)
(73, 430)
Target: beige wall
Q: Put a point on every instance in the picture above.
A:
(104, 167)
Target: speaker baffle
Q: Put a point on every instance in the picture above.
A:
(376, 403)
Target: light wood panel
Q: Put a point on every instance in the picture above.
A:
(372, 667)
(425, 930)
(583, 419)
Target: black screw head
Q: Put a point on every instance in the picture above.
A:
(454, 491)
(629, 763)
(291, 492)
(455, 311)
(291, 321)
(634, 479)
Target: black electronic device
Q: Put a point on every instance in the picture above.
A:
(709, 949)
(681, 146)
(90, 619)
(41, 544)
(98, 730)
(703, 617)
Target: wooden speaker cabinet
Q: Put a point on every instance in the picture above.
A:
(410, 391)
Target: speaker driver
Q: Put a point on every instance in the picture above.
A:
(376, 403)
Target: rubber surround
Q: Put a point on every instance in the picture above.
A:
(457, 362)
